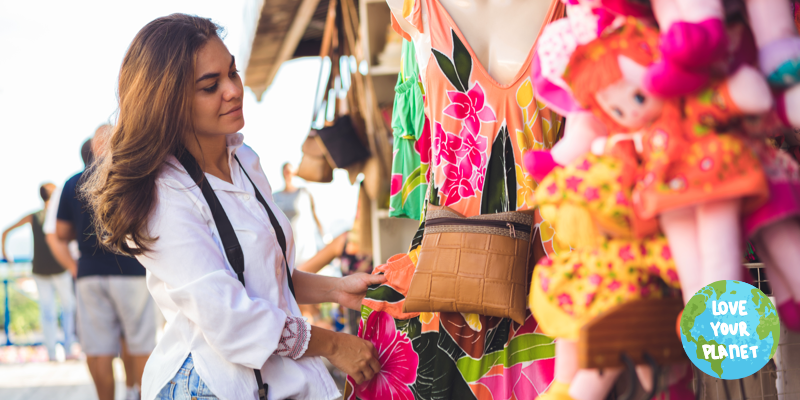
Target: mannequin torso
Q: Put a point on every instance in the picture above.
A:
(500, 32)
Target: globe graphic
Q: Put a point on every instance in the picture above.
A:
(747, 340)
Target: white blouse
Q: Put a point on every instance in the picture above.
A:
(228, 330)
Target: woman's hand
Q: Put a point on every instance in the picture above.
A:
(354, 356)
(350, 290)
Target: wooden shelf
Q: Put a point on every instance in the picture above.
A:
(381, 70)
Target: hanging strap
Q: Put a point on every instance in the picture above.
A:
(233, 250)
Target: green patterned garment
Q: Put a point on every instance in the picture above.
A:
(412, 148)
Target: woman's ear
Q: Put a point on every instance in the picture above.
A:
(631, 70)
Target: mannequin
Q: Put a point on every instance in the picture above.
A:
(500, 32)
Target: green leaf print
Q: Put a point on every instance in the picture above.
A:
(511, 170)
(448, 69)
(384, 293)
(417, 240)
(457, 68)
(462, 60)
(497, 185)
(523, 348)
(416, 178)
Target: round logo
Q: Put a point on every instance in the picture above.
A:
(730, 329)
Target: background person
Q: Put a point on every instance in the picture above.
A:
(298, 205)
(181, 97)
(113, 300)
(50, 278)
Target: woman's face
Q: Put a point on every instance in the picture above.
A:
(217, 103)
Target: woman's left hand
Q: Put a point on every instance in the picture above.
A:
(350, 290)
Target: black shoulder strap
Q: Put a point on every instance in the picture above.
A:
(275, 225)
(233, 250)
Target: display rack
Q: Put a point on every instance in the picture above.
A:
(390, 236)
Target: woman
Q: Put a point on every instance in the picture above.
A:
(180, 97)
(297, 204)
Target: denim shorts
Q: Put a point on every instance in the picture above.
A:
(186, 385)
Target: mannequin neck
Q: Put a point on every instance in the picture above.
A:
(501, 33)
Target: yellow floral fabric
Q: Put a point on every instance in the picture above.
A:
(571, 288)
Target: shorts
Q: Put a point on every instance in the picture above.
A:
(114, 307)
(186, 385)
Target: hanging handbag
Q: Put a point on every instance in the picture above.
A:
(342, 143)
(473, 265)
(233, 250)
(314, 166)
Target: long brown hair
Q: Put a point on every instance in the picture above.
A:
(156, 84)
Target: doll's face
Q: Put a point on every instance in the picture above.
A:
(629, 105)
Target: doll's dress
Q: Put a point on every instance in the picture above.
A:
(570, 289)
(695, 154)
(783, 176)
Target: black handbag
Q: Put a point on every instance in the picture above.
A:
(342, 143)
(233, 250)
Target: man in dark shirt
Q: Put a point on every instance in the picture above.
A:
(113, 300)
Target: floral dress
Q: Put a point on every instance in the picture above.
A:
(630, 260)
(695, 153)
(479, 131)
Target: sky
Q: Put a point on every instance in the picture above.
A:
(59, 63)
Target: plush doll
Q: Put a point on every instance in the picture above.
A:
(774, 228)
(695, 179)
(773, 25)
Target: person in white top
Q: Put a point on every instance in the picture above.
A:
(180, 97)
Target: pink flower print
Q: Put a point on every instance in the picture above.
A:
(424, 147)
(447, 146)
(478, 177)
(589, 299)
(678, 183)
(551, 190)
(546, 262)
(659, 140)
(672, 275)
(595, 279)
(654, 270)
(625, 253)
(631, 288)
(520, 381)
(545, 282)
(591, 194)
(457, 184)
(622, 200)
(614, 285)
(585, 165)
(644, 291)
(397, 183)
(706, 164)
(643, 250)
(666, 253)
(563, 299)
(470, 108)
(398, 361)
(573, 182)
(475, 146)
(423, 144)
